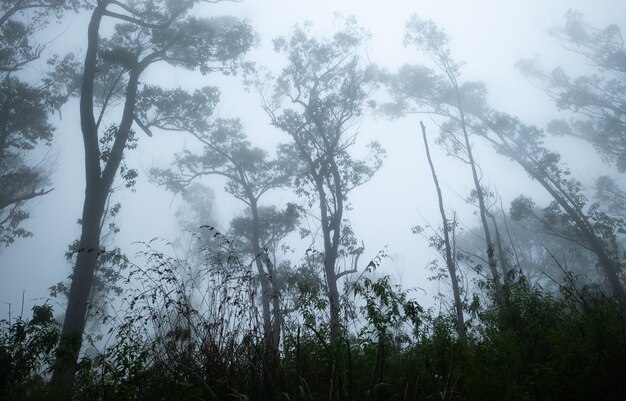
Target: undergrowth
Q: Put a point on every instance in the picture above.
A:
(183, 333)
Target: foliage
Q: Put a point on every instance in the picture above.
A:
(26, 351)
(194, 328)
(386, 307)
(317, 100)
(276, 224)
(533, 250)
(143, 33)
(26, 108)
(180, 337)
(202, 321)
(249, 171)
(250, 174)
(570, 215)
(597, 100)
(19, 20)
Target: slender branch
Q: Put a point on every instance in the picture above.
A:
(25, 197)
(143, 127)
(132, 20)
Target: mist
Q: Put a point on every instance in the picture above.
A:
(354, 173)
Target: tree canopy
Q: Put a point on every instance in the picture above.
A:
(27, 105)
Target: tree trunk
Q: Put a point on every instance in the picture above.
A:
(98, 184)
(505, 269)
(266, 291)
(277, 314)
(610, 266)
(80, 289)
(482, 208)
(331, 227)
(333, 298)
(450, 263)
(93, 207)
(332, 254)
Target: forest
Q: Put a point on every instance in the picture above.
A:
(273, 200)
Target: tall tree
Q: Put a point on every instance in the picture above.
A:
(250, 174)
(597, 100)
(419, 89)
(317, 100)
(534, 249)
(570, 214)
(25, 110)
(197, 213)
(145, 33)
(19, 21)
(598, 104)
(450, 258)
(583, 222)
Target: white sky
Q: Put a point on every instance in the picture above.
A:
(489, 35)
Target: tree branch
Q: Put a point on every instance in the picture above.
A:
(26, 197)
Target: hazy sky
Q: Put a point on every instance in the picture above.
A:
(489, 35)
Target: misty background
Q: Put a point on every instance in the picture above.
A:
(489, 36)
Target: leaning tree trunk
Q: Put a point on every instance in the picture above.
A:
(450, 263)
(610, 265)
(504, 264)
(482, 208)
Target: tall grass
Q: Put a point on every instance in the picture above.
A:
(194, 333)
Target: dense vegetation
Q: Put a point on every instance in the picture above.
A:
(537, 294)
(535, 345)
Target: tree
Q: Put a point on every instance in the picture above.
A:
(262, 232)
(25, 110)
(585, 223)
(570, 214)
(145, 33)
(609, 194)
(196, 214)
(250, 174)
(447, 227)
(419, 89)
(20, 19)
(535, 251)
(597, 100)
(524, 144)
(317, 100)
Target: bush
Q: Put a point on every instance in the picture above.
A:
(26, 353)
(530, 345)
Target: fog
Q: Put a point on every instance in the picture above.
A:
(489, 36)
(389, 221)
